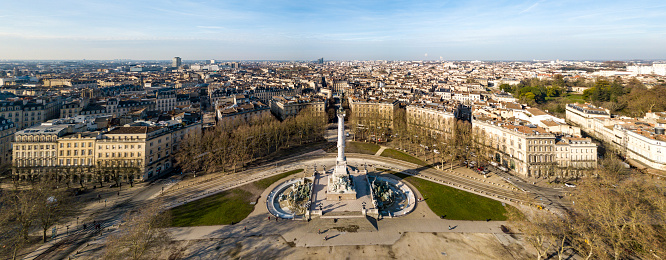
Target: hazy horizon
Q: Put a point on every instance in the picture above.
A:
(335, 30)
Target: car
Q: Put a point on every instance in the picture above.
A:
(569, 185)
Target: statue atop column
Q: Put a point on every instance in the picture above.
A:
(340, 184)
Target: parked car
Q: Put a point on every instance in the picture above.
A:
(569, 185)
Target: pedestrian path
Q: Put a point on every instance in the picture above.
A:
(380, 151)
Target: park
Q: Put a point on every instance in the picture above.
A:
(345, 205)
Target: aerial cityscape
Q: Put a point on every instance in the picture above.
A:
(339, 130)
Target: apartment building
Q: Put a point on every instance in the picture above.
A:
(143, 151)
(583, 115)
(366, 111)
(72, 109)
(286, 106)
(265, 94)
(166, 99)
(640, 140)
(532, 151)
(147, 148)
(119, 108)
(24, 113)
(434, 118)
(248, 111)
(76, 149)
(7, 130)
(35, 148)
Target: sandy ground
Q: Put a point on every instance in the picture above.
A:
(410, 246)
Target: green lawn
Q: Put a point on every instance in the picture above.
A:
(395, 154)
(360, 147)
(224, 208)
(264, 183)
(575, 98)
(454, 203)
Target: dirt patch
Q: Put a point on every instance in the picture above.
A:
(350, 228)
(233, 253)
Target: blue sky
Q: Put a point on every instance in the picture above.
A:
(335, 30)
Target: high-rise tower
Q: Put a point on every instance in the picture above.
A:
(176, 62)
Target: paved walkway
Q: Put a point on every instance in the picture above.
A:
(380, 151)
(303, 233)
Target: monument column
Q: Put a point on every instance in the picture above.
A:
(341, 135)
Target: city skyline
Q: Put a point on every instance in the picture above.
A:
(340, 30)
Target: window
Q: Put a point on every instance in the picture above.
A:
(69, 145)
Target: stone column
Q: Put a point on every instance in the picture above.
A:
(341, 135)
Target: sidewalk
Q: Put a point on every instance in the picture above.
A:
(380, 151)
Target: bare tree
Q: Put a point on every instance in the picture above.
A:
(51, 205)
(536, 225)
(140, 236)
(18, 215)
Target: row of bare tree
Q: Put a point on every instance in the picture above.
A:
(616, 214)
(68, 175)
(231, 145)
(28, 208)
(451, 143)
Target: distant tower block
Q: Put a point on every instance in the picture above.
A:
(176, 62)
(341, 185)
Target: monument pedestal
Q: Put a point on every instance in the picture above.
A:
(340, 196)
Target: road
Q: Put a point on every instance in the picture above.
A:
(553, 197)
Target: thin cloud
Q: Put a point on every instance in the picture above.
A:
(210, 27)
(531, 7)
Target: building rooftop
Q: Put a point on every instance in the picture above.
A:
(134, 130)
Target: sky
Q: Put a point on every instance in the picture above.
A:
(334, 30)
